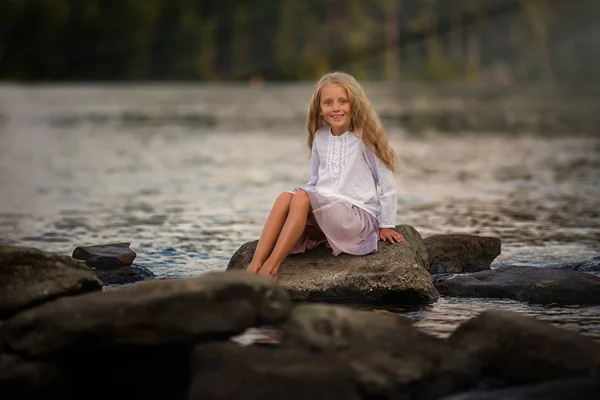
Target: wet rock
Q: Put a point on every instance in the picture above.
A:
(456, 253)
(591, 265)
(531, 284)
(395, 274)
(213, 305)
(228, 371)
(105, 257)
(563, 389)
(124, 275)
(389, 357)
(519, 349)
(30, 277)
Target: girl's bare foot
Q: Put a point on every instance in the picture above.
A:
(270, 272)
(253, 267)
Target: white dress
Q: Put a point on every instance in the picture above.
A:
(352, 194)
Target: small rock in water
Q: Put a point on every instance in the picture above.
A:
(106, 256)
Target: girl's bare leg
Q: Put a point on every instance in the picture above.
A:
(271, 230)
(290, 233)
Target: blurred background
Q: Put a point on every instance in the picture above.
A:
(174, 124)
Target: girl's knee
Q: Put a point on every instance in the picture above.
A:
(301, 198)
(285, 198)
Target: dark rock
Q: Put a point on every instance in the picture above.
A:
(530, 284)
(228, 371)
(30, 277)
(123, 275)
(563, 389)
(28, 379)
(215, 304)
(591, 265)
(389, 357)
(520, 349)
(395, 274)
(459, 253)
(105, 257)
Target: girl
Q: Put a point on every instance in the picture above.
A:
(341, 204)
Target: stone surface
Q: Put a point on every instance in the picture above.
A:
(30, 277)
(591, 265)
(389, 357)
(228, 371)
(458, 253)
(519, 349)
(123, 275)
(25, 379)
(213, 305)
(395, 274)
(105, 256)
(530, 284)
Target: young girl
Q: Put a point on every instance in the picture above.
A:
(341, 204)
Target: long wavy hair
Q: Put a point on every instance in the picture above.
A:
(364, 122)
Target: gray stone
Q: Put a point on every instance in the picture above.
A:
(124, 275)
(228, 371)
(591, 265)
(457, 253)
(395, 274)
(30, 277)
(389, 357)
(520, 349)
(213, 305)
(106, 256)
(531, 284)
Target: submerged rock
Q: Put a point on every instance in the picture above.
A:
(124, 275)
(215, 304)
(395, 274)
(457, 253)
(531, 284)
(591, 265)
(30, 277)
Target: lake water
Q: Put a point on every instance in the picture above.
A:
(178, 173)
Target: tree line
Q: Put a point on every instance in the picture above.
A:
(230, 40)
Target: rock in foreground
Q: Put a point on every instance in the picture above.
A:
(395, 274)
(30, 277)
(216, 304)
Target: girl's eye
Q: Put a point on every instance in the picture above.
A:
(328, 102)
(342, 101)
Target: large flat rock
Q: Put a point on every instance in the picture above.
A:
(395, 274)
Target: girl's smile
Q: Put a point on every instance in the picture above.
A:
(335, 108)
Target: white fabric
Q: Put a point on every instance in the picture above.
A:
(344, 167)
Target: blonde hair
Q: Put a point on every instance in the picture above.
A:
(364, 122)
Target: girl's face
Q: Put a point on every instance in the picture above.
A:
(335, 107)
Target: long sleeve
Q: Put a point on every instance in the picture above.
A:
(388, 198)
(313, 169)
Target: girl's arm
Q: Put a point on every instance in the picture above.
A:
(313, 169)
(388, 198)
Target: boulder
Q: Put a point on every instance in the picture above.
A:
(228, 371)
(531, 284)
(519, 349)
(458, 253)
(388, 356)
(213, 305)
(394, 274)
(30, 277)
(106, 256)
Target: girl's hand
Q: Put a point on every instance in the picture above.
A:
(389, 234)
